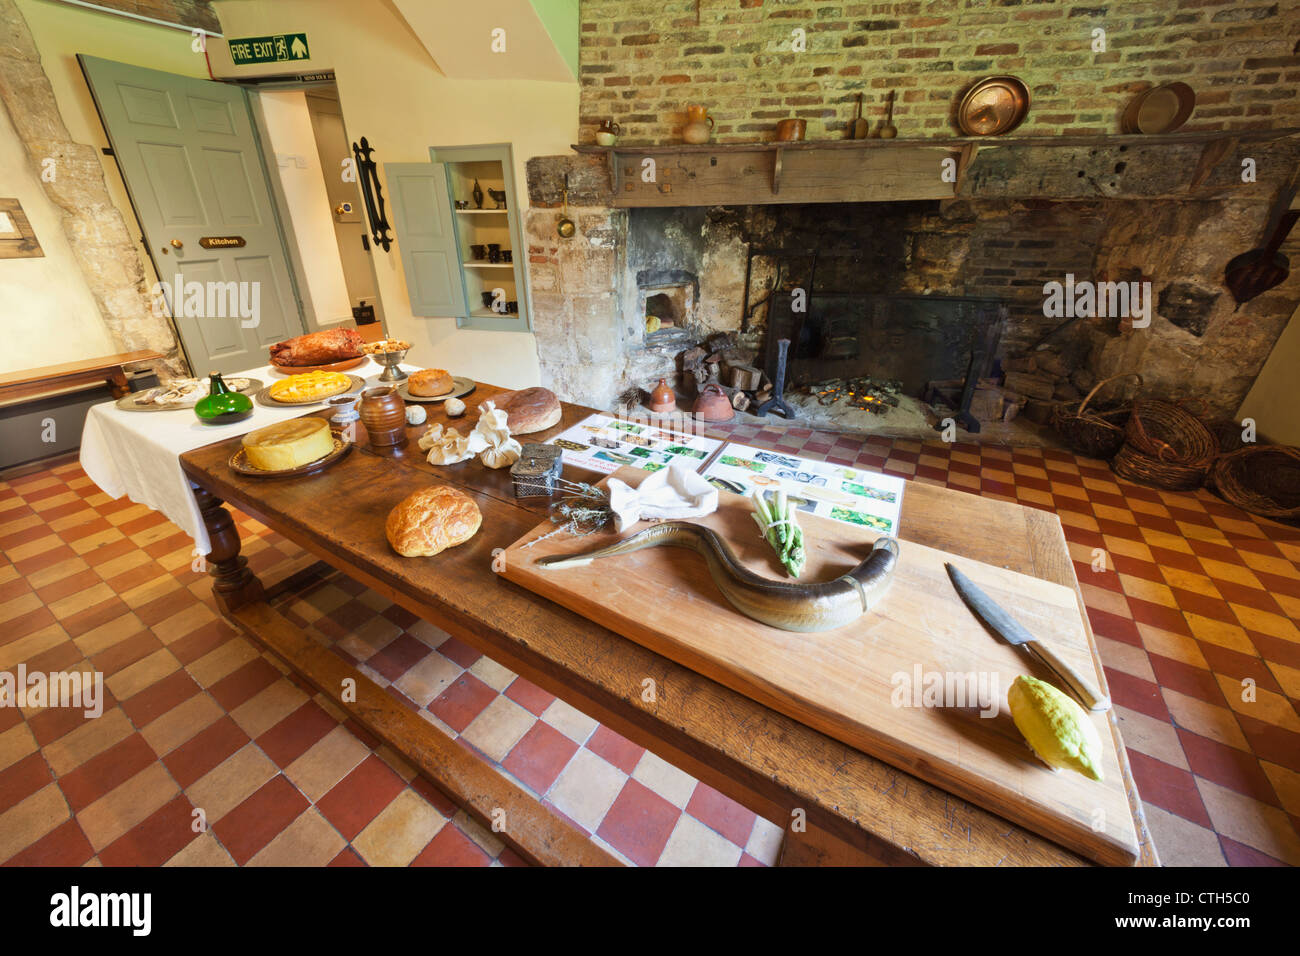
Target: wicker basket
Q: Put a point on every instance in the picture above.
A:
(1090, 432)
(1166, 446)
(1261, 479)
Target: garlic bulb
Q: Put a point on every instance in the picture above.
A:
(455, 407)
(416, 415)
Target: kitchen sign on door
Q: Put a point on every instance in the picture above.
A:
(273, 49)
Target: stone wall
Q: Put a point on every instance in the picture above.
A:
(189, 13)
(642, 61)
(1006, 248)
(108, 256)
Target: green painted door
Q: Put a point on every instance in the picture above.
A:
(193, 167)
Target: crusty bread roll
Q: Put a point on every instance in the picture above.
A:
(529, 410)
(432, 519)
(430, 382)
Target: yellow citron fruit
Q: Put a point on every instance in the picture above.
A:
(1056, 728)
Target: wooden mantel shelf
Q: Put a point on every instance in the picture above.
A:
(1166, 165)
(952, 143)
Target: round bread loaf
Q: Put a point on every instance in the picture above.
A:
(431, 520)
(529, 410)
(430, 382)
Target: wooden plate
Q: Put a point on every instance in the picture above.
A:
(239, 463)
(342, 366)
(993, 106)
(127, 402)
(460, 386)
(1161, 109)
(264, 396)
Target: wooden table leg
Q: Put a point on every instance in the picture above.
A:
(234, 585)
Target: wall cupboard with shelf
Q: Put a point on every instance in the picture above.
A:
(447, 252)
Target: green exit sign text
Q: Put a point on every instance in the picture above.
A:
(273, 49)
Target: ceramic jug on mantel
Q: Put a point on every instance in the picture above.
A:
(699, 125)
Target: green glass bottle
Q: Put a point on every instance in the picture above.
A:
(221, 406)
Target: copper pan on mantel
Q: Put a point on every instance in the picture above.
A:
(993, 106)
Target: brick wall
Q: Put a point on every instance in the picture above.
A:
(641, 61)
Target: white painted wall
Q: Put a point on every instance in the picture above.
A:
(47, 312)
(393, 93)
(294, 143)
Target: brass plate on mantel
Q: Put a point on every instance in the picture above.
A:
(993, 106)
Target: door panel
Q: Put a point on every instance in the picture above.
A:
(192, 165)
(426, 237)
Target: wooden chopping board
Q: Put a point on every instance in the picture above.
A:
(864, 684)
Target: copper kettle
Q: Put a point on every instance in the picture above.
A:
(712, 404)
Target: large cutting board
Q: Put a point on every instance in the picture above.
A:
(849, 683)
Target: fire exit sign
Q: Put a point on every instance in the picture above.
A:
(273, 49)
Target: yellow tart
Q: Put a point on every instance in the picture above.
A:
(290, 444)
(310, 387)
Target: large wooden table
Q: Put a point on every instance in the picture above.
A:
(851, 808)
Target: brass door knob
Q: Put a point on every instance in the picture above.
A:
(177, 244)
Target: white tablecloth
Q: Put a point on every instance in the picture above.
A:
(137, 454)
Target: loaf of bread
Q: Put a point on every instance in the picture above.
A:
(285, 445)
(529, 410)
(430, 382)
(431, 520)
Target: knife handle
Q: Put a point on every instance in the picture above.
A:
(1074, 682)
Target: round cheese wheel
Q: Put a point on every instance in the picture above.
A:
(290, 444)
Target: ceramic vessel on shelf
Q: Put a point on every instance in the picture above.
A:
(390, 361)
(478, 195)
(712, 404)
(498, 197)
(384, 414)
(221, 406)
(791, 130)
(478, 250)
(607, 133)
(699, 125)
(662, 399)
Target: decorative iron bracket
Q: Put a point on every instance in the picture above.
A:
(372, 193)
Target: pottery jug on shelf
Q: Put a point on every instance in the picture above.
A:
(607, 133)
(699, 125)
(478, 195)
(662, 399)
(712, 404)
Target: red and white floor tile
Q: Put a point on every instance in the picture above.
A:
(1195, 615)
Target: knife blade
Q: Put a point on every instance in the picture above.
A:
(1013, 632)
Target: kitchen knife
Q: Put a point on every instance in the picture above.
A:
(992, 614)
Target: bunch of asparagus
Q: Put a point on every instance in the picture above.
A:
(776, 520)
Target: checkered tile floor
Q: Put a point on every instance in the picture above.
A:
(1194, 614)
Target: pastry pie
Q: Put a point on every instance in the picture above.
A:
(431, 382)
(431, 520)
(290, 444)
(309, 387)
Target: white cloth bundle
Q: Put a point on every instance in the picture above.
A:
(490, 439)
(501, 449)
(670, 493)
(446, 446)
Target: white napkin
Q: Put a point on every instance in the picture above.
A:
(500, 450)
(672, 493)
(446, 446)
